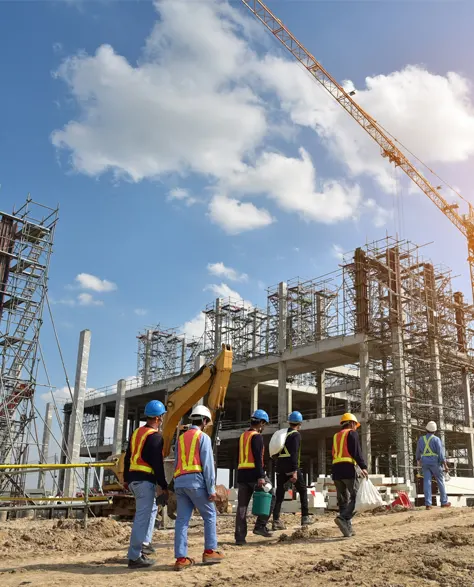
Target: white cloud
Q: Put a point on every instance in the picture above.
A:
(64, 302)
(140, 311)
(194, 328)
(235, 217)
(86, 299)
(93, 283)
(221, 270)
(182, 195)
(432, 115)
(61, 394)
(291, 182)
(338, 252)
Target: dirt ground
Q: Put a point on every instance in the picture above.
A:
(389, 550)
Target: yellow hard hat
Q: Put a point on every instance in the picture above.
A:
(348, 417)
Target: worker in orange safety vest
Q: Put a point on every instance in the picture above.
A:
(143, 471)
(194, 486)
(251, 473)
(346, 454)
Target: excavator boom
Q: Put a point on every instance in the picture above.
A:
(212, 379)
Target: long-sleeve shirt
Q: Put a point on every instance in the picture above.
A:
(252, 475)
(206, 479)
(347, 470)
(289, 464)
(152, 453)
(435, 445)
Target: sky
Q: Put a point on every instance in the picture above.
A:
(192, 157)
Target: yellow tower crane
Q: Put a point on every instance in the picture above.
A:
(463, 222)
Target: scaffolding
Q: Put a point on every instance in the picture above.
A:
(26, 242)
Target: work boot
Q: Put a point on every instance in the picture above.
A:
(428, 507)
(183, 563)
(148, 549)
(141, 562)
(306, 520)
(343, 526)
(446, 505)
(240, 542)
(211, 557)
(263, 531)
(351, 528)
(278, 525)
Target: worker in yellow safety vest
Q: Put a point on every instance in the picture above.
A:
(195, 487)
(143, 471)
(251, 474)
(346, 454)
(432, 460)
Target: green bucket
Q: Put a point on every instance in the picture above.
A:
(261, 503)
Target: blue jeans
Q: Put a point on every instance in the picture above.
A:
(429, 471)
(145, 516)
(187, 500)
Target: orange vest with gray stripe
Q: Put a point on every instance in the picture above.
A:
(137, 442)
(188, 459)
(246, 459)
(340, 452)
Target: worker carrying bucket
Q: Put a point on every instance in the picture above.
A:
(250, 476)
(285, 447)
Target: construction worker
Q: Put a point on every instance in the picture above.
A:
(143, 471)
(195, 487)
(346, 453)
(251, 473)
(289, 472)
(431, 458)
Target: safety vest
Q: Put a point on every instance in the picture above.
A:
(284, 451)
(137, 442)
(246, 459)
(428, 452)
(340, 452)
(189, 458)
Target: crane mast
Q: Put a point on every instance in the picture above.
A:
(465, 222)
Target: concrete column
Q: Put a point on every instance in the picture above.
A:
(75, 432)
(48, 420)
(100, 431)
(119, 417)
(64, 450)
(321, 397)
(365, 403)
(148, 347)
(321, 448)
(183, 355)
(403, 432)
(253, 398)
(238, 412)
(282, 395)
(466, 387)
(290, 398)
(311, 471)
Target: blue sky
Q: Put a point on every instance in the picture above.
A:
(179, 144)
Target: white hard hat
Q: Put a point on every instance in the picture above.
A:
(431, 426)
(200, 412)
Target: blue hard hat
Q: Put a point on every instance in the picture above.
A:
(295, 418)
(260, 415)
(154, 408)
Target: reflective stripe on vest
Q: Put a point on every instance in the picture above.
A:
(284, 451)
(340, 452)
(246, 459)
(189, 457)
(137, 442)
(428, 452)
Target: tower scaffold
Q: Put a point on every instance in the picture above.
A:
(26, 242)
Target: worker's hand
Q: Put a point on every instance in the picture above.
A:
(419, 464)
(125, 485)
(365, 473)
(261, 482)
(294, 476)
(212, 497)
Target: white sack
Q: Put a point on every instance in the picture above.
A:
(368, 498)
(277, 441)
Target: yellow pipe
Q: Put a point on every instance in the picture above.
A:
(58, 466)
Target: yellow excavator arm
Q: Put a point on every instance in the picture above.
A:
(212, 379)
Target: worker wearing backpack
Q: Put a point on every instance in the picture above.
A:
(289, 472)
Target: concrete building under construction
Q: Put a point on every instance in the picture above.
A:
(383, 336)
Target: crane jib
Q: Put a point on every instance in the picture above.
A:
(465, 224)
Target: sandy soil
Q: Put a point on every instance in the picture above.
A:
(390, 550)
